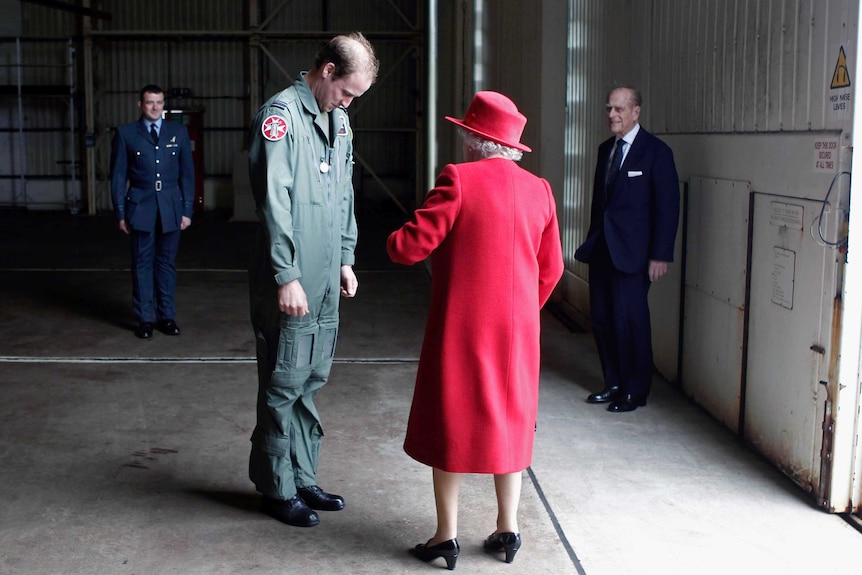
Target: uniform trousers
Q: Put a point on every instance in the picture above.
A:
(154, 274)
(619, 314)
(294, 359)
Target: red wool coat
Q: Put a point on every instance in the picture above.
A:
(491, 230)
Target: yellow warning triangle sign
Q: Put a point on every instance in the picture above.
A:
(841, 75)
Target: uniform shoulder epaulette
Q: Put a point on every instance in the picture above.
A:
(279, 104)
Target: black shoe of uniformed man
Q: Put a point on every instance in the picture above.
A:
(294, 511)
(317, 498)
(144, 330)
(169, 327)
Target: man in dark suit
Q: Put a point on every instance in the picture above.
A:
(152, 187)
(633, 223)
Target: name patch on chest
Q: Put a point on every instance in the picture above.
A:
(274, 128)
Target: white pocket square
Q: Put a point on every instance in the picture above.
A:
(635, 174)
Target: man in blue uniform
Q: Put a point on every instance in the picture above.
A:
(301, 167)
(153, 186)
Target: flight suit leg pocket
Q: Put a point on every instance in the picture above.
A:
(270, 467)
(328, 337)
(316, 440)
(295, 355)
(270, 443)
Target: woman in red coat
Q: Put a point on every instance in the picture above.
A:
(490, 228)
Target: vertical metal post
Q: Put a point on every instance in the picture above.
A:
(22, 143)
(73, 150)
(89, 115)
(845, 483)
(480, 46)
(431, 100)
(253, 59)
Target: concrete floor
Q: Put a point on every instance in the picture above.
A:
(122, 456)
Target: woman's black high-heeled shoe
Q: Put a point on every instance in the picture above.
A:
(508, 542)
(448, 550)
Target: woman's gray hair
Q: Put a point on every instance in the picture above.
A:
(487, 148)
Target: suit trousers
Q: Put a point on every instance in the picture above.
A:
(620, 319)
(294, 359)
(154, 275)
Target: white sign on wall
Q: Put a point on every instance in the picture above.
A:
(783, 275)
(786, 215)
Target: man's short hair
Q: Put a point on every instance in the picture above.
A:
(149, 89)
(350, 53)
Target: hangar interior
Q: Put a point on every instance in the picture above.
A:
(756, 328)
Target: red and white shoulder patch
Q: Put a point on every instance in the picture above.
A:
(274, 128)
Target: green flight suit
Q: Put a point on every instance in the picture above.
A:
(301, 169)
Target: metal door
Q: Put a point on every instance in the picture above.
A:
(791, 323)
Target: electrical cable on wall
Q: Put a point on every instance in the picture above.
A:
(819, 220)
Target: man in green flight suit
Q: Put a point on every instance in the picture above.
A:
(301, 168)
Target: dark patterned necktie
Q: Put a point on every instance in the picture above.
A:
(154, 133)
(614, 167)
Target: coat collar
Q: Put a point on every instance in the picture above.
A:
(638, 146)
(142, 127)
(306, 96)
(309, 102)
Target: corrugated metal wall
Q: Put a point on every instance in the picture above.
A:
(213, 72)
(36, 96)
(600, 54)
(741, 65)
(743, 91)
(190, 15)
(704, 67)
(209, 48)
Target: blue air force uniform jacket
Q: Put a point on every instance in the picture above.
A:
(149, 179)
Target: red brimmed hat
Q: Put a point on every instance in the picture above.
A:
(494, 117)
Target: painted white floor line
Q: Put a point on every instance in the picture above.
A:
(111, 270)
(33, 359)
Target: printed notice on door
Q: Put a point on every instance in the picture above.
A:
(826, 154)
(786, 215)
(783, 272)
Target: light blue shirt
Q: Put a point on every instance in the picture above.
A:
(157, 124)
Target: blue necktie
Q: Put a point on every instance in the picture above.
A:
(614, 167)
(154, 133)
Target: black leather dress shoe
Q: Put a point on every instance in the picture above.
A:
(144, 330)
(169, 327)
(626, 403)
(606, 395)
(317, 498)
(294, 511)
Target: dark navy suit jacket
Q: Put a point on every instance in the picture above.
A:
(640, 215)
(149, 179)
